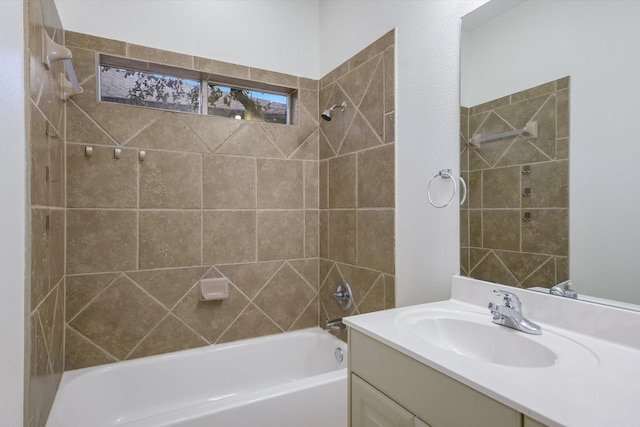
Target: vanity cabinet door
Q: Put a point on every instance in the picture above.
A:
(370, 408)
(423, 391)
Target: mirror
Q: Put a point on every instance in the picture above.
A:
(587, 51)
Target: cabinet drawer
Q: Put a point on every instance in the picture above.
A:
(431, 396)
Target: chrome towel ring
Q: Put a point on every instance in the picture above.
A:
(447, 174)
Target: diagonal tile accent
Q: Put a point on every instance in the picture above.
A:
(170, 335)
(210, 318)
(309, 317)
(356, 82)
(308, 269)
(213, 131)
(374, 299)
(324, 267)
(168, 286)
(288, 138)
(82, 353)
(308, 150)
(521, 151)
(250, 324)
(518, 114)
(372, 106)
(250, 278)
(325, 150)
(284, 297)
(84, 63)
(121, 122)
(309, 100)
(492, 152)
(169, 132)
(547, 125)
(491, 269)
(324, 97)
(250, 140)
(361, 280)
(80, 290)
(389, 292)
(476, 255)
(521, 265)
(360, 137)
(119, 317)
(329, 305)
(337, 128)
(82, 129)
(545, 276)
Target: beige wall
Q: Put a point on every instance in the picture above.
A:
(45, 313)
(497, 243)
(213, 197)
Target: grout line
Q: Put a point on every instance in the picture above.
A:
(84, 337)
(107, 286)
(202, 209)
(255, 188)
(96, 124)
(303, 311)
(126, 357)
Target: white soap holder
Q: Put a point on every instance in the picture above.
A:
(214, 289)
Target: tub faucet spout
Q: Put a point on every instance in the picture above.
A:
(335, 325)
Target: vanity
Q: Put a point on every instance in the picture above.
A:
(446, 364)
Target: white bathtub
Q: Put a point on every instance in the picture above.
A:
(285, 380)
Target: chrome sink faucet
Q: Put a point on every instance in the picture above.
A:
(561, 290)
(510, 314)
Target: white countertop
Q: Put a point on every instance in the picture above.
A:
(600, 389)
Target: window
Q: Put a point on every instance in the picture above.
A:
(126, 86)
(131, 82)
(246, 104)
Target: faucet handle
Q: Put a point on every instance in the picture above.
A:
(510, 300)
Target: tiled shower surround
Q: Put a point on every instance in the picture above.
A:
(44, 311)
(357, 184)
(506, 236)
(283, 211)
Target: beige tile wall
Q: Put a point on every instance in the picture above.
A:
(497, 243)
(283, 212)
(45, 292)
(357, 187)
(213, 197)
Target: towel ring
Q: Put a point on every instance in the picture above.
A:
(446, 174)
(463, 186)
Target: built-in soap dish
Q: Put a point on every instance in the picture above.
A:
(214, 289)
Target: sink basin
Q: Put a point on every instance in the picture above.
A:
(475, 336)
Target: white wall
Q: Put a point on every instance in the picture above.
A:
(276, 35)
(12, 212)
(427, 124)
(594, 42)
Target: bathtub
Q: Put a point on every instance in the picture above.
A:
(286, 380)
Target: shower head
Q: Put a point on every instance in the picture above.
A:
(327, 113)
